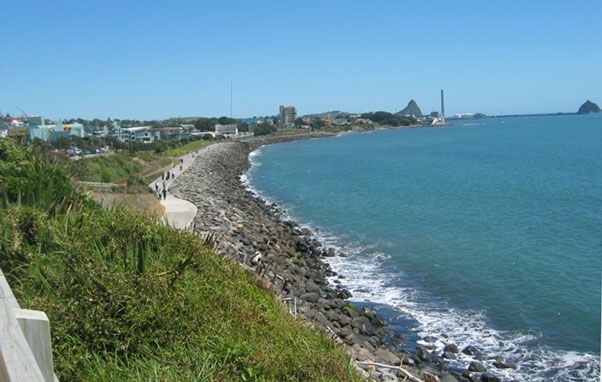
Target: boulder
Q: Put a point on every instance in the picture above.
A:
(423, 354)
(477, 366)
(471, 350)
(387, 357)
(451, 348)
(448, 355)
(489, 377)
(310, 297)
(501, 364)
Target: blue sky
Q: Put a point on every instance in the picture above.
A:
(147, 60)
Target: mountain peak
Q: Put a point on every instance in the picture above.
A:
(411, 109)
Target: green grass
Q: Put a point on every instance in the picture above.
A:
(187, 148)
(106, 169)
(117, 167)
(291, 131)
(130, 299)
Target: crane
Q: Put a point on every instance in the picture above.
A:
(24, 113)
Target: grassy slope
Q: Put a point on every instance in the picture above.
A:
(187, 148)
(117, 166)
(131, 300)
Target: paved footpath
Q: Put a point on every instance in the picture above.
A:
(179, 213)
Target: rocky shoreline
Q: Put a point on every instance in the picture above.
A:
(258, 236)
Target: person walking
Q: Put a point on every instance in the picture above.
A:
(164, 194)
(156, 186)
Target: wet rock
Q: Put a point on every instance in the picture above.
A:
(450, 348)
(477, 366)
(501, 364)
(449, 355)
(423, 354)
(471, 350)
(489, 377)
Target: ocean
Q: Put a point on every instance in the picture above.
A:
(485, 232)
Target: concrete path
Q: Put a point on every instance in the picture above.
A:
(179, 213)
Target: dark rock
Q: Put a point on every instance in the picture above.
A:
(501, 364)
(311, 286)
(447, 377)
(344, 319)
(448, 355)
(477, 366)
(471, 350)
(423, 354)
(344, 294)
(450, 348)
(360, 322)
(471, 376)
(489, 377)
(311, 297)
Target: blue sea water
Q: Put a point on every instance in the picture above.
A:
(486, 232)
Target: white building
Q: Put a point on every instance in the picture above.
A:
(138, 134)
(226, 130)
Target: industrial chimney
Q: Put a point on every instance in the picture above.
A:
(442, 104)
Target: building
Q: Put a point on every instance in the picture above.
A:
(138, 134)
(34, 120)
(167, 132)
(75, 129)
(287, 116)
(226, 131)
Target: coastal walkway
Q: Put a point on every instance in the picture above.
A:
(179, 213)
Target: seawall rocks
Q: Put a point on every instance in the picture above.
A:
(256, 235)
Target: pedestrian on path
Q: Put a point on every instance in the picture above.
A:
(164, 194)
(156, 186)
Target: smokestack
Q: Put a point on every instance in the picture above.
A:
(442, 104)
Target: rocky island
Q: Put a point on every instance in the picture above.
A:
(588, 107)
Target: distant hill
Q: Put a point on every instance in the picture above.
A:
(411, 109)
(588, 107)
